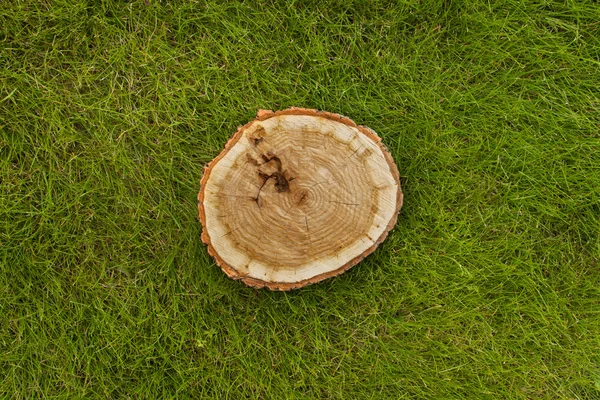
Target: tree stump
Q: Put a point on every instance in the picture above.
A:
(297, 196)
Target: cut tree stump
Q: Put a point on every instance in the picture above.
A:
(297, 196)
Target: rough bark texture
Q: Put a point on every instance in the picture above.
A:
(297, 196)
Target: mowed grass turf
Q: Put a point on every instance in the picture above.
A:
(488, 287)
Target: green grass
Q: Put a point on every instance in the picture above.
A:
(488, 287)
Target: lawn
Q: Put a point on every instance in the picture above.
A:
(487, 288)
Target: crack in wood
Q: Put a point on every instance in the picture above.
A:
(341, 202)
(228, 233)
(310, 244)
(281, 182)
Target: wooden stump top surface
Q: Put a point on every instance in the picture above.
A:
(297, 196)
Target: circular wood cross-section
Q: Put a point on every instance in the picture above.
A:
(297, 196)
